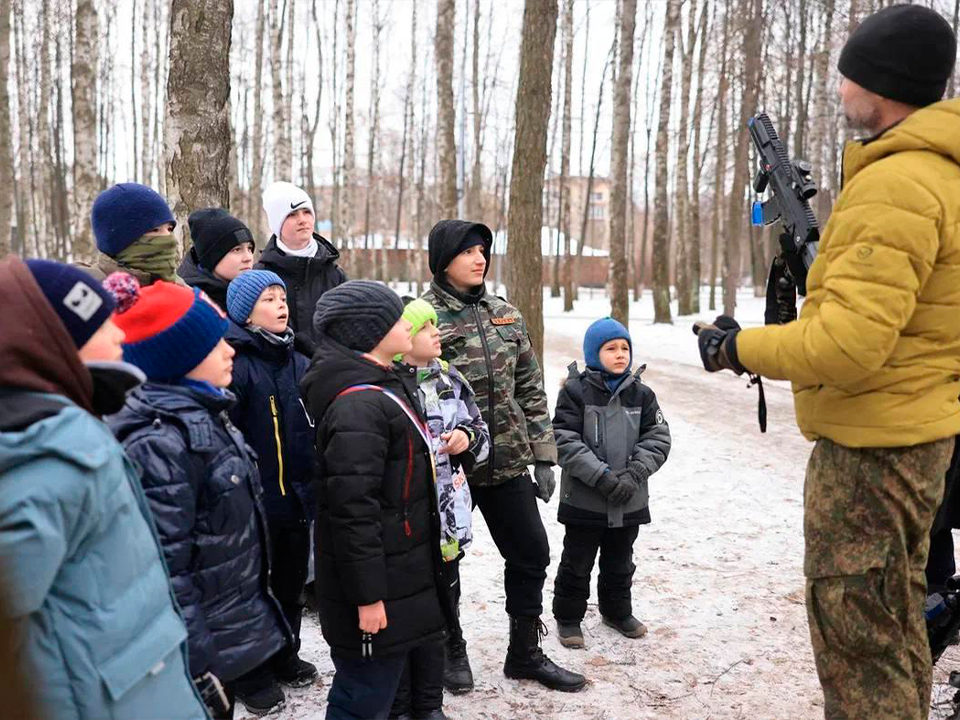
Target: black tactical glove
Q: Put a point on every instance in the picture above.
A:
(544, 480)
(213, 695)
(718, 344)
(617, 487)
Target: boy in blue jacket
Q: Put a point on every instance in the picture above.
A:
(84, 582)
(203, 486)
(267, 371)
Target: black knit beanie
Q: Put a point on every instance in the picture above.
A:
(358, 314)
(904, 53)
(215, 232)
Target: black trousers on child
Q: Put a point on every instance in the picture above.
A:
(421, 685)
(363, 689)
(289, 554)
(572, 587)
(511, 512)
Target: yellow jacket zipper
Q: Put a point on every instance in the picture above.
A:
(276, 434)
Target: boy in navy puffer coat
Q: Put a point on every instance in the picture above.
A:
(267, 371)
(611, 437)
(203, 487)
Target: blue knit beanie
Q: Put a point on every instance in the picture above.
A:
(244, 291)
(170, 329)
(124, 213)
(600, 332)
(81, 303)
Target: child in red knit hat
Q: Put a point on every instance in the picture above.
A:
(203, 487)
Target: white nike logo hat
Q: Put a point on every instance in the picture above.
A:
(280, 199)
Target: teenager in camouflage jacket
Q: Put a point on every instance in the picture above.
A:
(486, 338)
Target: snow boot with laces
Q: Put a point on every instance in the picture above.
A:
(527, 661)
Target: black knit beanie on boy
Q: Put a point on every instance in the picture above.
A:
(215, 232)
(357, 314)
(904, 53)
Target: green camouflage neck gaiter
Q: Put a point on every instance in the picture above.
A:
(153, 254)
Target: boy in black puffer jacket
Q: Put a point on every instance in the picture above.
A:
(611, 436)
(222, 249)
(203, 487)
(267, 371)
(378, 533)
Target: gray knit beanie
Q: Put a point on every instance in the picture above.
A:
(357, 314)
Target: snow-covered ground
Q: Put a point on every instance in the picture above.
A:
(719, 579)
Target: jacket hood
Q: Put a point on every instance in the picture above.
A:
(195, 276)
(336, 367)
(935, 128)
(36, 352)
(444, 241)
(65, 432)
(153, 399)
(326, 253)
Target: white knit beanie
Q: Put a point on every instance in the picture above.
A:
(280, 199)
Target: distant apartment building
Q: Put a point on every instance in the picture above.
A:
(598, 223)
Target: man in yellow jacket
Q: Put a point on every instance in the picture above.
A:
(875, 364)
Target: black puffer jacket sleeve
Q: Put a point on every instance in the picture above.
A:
(575, 456)
(354, 459)
(653, 447)
(171, 481)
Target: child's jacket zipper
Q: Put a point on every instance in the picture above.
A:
(276, 435)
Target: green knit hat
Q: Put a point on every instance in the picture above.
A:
(418, 312)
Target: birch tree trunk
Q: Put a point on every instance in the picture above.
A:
(446, 112)
(84, 96)
(349, 152)
(256, 172)
(6, 142)
(197, 126)
(720, 167)
(566, 276)
(475, 204)
(620, 288)
(684, 133)
(282, 149)
(661, 225)
(525, 218)
(751, 79)
(694, 223)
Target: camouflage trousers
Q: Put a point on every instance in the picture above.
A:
(867, 519)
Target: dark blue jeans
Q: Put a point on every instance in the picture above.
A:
(363, 689)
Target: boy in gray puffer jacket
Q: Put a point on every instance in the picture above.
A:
(611, 436)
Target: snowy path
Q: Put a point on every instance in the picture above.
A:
(719, 577)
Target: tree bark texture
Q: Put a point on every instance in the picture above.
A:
(619, 191)
(661, 223)
(566, 276)
(6, 141)
(446, 112)
(83, 70)
(197, 127)
(525, 218)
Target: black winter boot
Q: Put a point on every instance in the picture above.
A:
(526, 660)
(457, 675)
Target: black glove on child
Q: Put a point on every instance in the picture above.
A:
(617, 487)
(718, 344)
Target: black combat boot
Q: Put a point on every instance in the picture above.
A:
(526, 661)
(457, 675)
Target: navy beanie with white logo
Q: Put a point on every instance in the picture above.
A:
(81, 303)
